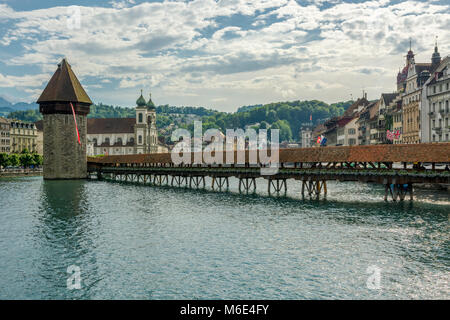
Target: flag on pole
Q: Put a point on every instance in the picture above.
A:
(76, 126)
(389, 135)
(323, 141)
(319, 139)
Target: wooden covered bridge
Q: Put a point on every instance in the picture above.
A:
(397, 167)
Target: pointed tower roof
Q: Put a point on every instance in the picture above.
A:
(436, 57)
(150, 103)
(64, 87)
(140, 102)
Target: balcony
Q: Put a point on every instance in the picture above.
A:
(438, 130)
(444, 111)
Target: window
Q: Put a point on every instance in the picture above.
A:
(140, 139)
(107, 140)
(351, 131)
(95, 141)
(434, 89)
(119, 140)
(66, 119)
(132, 140)
(140, 117)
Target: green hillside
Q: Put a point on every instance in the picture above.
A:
(286, 116)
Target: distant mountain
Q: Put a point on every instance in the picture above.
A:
(23, 106)
(7, 107)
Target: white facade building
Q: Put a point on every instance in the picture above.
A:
(435, 102)
(120, 136)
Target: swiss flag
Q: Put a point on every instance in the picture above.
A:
(76, 126)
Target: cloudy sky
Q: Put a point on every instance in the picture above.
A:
(219, 54)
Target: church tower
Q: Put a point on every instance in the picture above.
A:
(435, 58)
(141, 127)
(152, 131)
(64, 105)
(146, 135)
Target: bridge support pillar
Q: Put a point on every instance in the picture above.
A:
(160, 179)
(178, 181)
(247, 184)
(220, 182)
(196, 181)
(277, 185)
(314, 187)
(398, 191)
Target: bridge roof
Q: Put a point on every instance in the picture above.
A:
(424, 152)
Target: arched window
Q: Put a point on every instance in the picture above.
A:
(132, 140)
(140, 139)
(140, 117)
(119, 140)
(107, 140)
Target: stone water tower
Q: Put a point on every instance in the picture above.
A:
(64, 153)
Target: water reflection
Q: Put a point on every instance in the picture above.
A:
(65, 236)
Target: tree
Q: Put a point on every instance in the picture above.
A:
(4, 160)
(14, 160)
(285, 130)
(26, 159)
(263, 125)
(38, 159)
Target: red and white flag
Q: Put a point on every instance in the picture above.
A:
(76, 126)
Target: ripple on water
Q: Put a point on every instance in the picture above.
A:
(141, 242)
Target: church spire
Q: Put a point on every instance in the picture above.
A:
(140, 102)
(150, 104)
(410, 55)
(436, 57)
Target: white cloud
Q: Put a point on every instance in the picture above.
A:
(188, 57)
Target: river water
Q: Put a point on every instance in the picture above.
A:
(131, 241)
